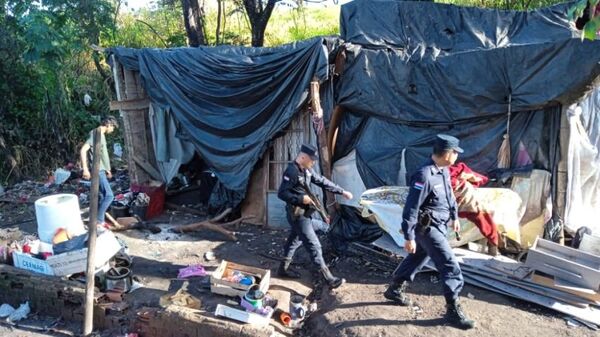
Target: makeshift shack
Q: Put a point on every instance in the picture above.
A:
(241, 109)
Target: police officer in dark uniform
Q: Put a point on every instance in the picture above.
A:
(429, 210)
(295, 191)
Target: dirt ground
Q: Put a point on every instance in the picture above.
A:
(356, 309)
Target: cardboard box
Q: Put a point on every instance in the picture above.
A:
(72, 262)
(242, 315)
(220, 286)
(28, 262)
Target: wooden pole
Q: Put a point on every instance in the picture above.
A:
(88, 323)
(324, 154)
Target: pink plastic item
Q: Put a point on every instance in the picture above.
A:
(195, 270)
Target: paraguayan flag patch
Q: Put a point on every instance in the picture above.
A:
(419, 185)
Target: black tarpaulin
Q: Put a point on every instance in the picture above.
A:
(230, 101)
(379, 144)
(457, 63)
(453, 71)
(417, 26)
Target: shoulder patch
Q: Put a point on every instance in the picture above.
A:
(419, 185)
(286, 178)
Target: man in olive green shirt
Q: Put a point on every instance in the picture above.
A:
(105, 193)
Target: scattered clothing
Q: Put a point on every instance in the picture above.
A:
(464, 182)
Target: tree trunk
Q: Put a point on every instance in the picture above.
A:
(259, 17)
(219, 11)
(258, 35)
(193, 17)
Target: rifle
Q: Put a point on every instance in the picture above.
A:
(317, 204)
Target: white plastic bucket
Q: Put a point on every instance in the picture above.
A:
(58, 211)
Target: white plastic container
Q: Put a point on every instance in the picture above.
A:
(58, 211)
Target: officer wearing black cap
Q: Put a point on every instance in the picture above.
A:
(429, 210)
(294, 190)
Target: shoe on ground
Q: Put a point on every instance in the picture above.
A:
(397, 294)
(456, 317)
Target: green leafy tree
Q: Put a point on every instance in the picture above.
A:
(46, 68)
(587, 14)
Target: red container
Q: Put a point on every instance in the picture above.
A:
(157, 198)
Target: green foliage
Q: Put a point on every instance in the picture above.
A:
(591, 30)
(46, 67)
(160, 28)
(289, 25)
(504, 4)
(163, 26)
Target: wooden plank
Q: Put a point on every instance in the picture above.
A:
(127, 136)
(498, 264)
(589, 314)
(254, 204)
(131, 90)
(276, 216)
(534, 288)
(144, 164)
(134, 104)
(549, 282)
(139, 126)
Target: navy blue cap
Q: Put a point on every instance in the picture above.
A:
(446, 142)
(310, 150)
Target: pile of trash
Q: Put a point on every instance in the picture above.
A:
(66, 179)
(14, 315)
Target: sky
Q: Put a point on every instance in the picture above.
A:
(137, 4)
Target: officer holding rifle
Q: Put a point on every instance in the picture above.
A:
(301, 204)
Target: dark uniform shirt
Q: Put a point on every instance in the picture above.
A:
(429, 190)
(294, 177)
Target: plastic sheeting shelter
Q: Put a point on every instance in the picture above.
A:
(453, 71)
(229, 101)
(458, 71)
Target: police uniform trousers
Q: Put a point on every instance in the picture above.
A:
(303, 233)
(432, 244)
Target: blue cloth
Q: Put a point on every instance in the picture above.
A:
(432, 244)
(430, 190)
(105, 195)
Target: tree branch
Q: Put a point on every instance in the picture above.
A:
(154, 31)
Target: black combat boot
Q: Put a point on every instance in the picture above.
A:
(332, 281)
(456, 317)
(397, 292)
(285, 271)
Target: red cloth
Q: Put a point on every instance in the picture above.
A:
(461, 174)
(457, 169)
(484, 223)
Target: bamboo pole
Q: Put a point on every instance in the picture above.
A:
(88, 322)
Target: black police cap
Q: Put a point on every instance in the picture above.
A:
(446, 142)
(309, 150)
